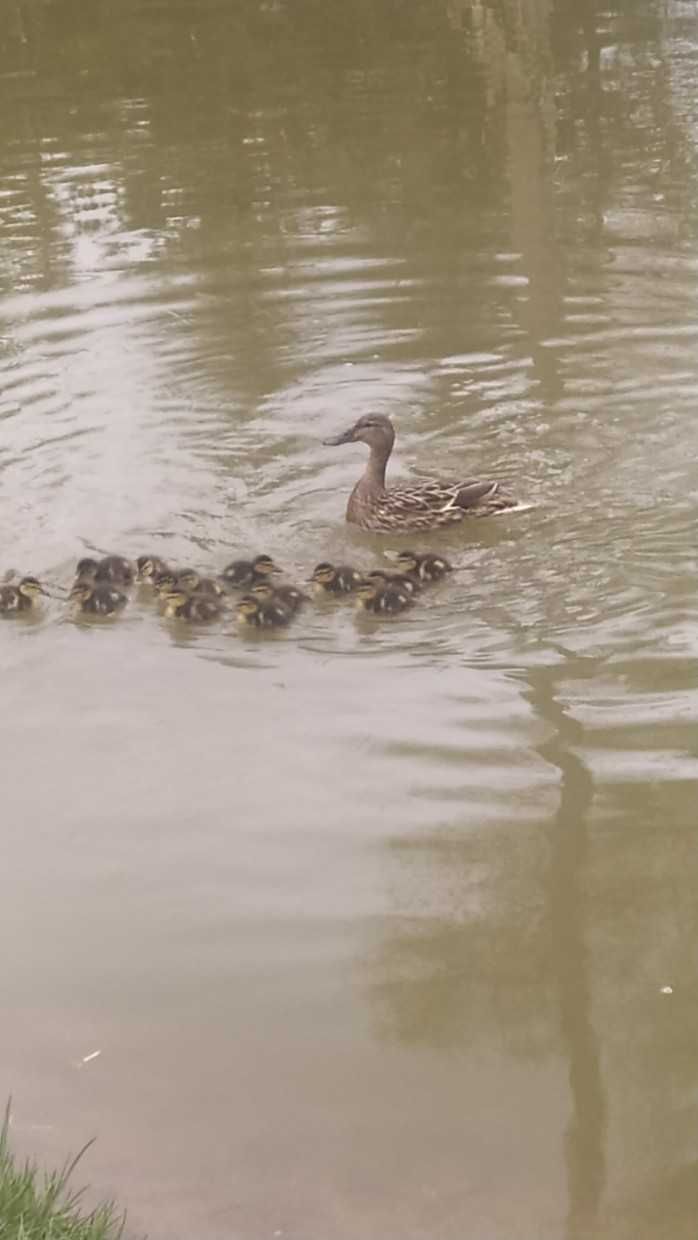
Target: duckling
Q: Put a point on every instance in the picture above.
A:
(335, 579)
(288, 596)
(86, 569)
(424, 568)
(402, 580)
(188, 579)
(148, 567)
(117, 570)
(21, 597)
(382, 599)
(97, 598)
(200, 608)
(111, 568)
(166, 580)
(242, 573)
(261, 613)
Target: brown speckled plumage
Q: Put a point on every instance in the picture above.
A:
(410, 507)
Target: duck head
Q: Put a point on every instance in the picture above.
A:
(373, 429)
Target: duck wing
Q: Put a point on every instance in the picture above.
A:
(425, 505)
(470, 494)
(433, 495)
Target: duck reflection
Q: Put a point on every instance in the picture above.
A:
(570, 965)
(509, 964)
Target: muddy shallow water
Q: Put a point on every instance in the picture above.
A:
(382, 931)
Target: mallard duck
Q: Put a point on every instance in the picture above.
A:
(97, 598)
(403, 581)
(148, 567)
(410, 506)
(423, 568)
(111, 568)
(288, 596)
(200, 608)
(263, 614)
(335, 579)
(21, 597)
(243, 573)
(382, 599)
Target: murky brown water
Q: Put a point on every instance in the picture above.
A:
(371, 927)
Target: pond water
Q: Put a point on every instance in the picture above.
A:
(382, 932)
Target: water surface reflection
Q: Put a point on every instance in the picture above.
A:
(361, 900)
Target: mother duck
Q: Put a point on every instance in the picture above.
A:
(410, 506)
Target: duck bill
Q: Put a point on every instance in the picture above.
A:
(345, 437)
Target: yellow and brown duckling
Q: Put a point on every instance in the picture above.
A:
(198, 608)
(403, 581)
(263, 613)
(382, 598)
(195, 583)
(241, 574)
(188, 580)
(148, 567)
(335, 578)
(22, 597)
(113, 569)
(288, 596)
(424, 568)
(97, 598)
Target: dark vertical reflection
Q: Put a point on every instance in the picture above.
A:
(584, 1141)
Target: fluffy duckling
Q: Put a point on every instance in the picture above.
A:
(243, 573)
(165, 580)
(402, 580)
(424, 568)
(21, 597)
(114, 569)
(97, 598)
(288, 596)
(188, 579)
(148, 567)
(117, 570)
(335, 579)
(86, 569)
(382, 599)
(200, 608)
(261, 613)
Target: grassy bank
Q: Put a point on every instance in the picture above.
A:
(37, 1205)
